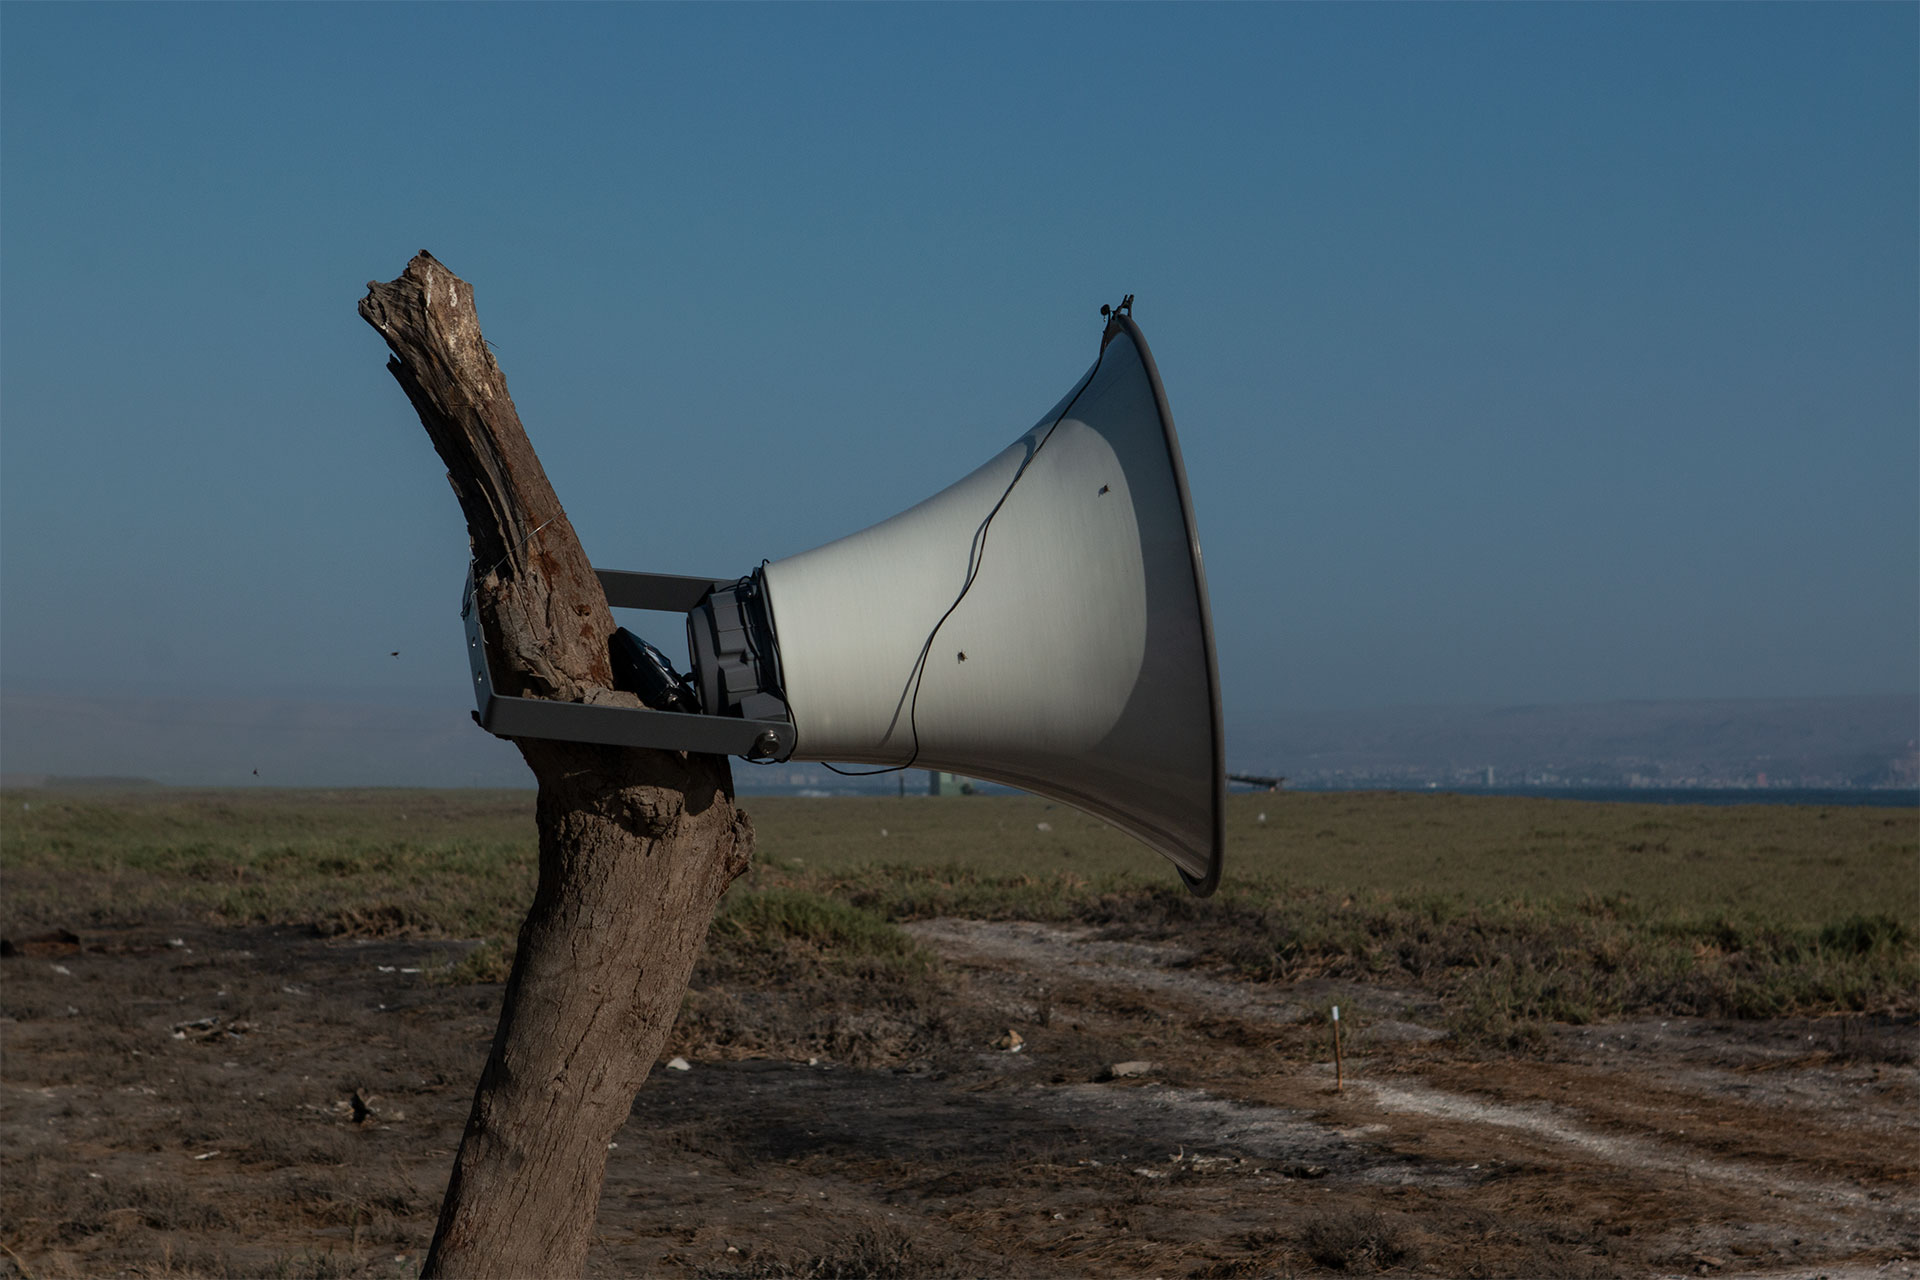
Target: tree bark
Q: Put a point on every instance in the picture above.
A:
(636, 846)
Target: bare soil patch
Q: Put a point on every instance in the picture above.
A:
(267, 1102)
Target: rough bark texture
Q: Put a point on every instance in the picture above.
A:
(636, 847)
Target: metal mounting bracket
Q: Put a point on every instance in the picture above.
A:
(507, 716)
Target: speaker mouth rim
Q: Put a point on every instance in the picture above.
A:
(1202, 886)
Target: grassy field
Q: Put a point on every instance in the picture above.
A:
(258, 1052)
(1514, 911)
(892, 1070)
(434, 863)
(455, 861)
(1791, 865)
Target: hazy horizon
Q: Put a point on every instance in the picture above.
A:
(294, 742)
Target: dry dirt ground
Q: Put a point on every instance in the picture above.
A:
(270, 1103)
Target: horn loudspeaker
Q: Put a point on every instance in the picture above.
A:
(1043, 623)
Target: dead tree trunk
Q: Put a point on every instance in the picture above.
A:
(636, 846)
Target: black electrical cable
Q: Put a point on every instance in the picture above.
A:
(976, 556)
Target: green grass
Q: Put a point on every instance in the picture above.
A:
(452, 861)
(777, 921)
(791, 972)
(1516, 912)
(1791, 864)
(425, 863)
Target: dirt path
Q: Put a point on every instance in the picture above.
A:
(1719, 1146)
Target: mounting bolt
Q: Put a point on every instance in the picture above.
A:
(765, 747)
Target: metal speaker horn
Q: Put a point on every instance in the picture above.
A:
(1043, 623)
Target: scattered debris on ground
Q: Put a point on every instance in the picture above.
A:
(1051, 1101)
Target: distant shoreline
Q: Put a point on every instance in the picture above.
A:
(1877, 797)
(1867, 797)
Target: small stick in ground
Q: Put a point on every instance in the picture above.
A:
(16, 1262)
(1339, 1072)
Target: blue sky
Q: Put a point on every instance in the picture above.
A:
(1519, 353)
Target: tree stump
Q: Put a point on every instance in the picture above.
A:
(636, 846)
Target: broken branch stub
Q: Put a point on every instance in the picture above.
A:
(544, 609)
